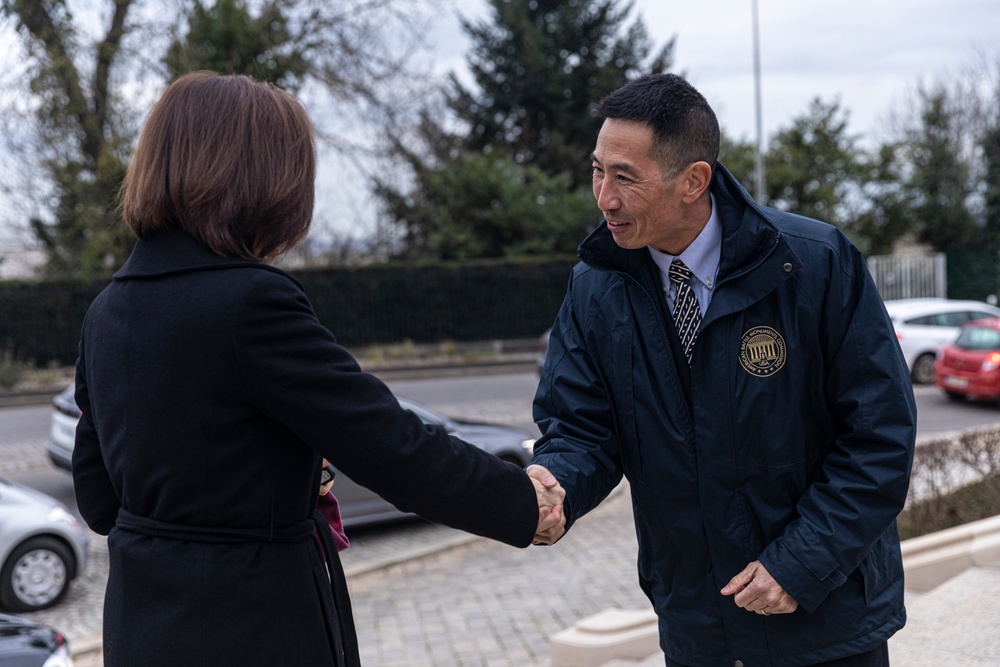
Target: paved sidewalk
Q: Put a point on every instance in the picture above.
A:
(487, 604)
(478, 604)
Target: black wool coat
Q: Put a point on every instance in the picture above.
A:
(209, 393)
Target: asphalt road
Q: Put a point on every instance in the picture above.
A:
(484, 395)
(498, 398)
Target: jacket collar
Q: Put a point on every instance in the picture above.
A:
(173, 251)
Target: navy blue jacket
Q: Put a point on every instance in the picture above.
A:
(788, 441)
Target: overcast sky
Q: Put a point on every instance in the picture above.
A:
(870, 53)
(867, 52)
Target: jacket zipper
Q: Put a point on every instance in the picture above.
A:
(663, 332)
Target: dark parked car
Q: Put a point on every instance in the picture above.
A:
(24, 643)
(358, 505)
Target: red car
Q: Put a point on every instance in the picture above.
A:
(970, 367)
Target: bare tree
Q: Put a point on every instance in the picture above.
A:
(90, 68)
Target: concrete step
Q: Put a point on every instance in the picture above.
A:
(953, 625)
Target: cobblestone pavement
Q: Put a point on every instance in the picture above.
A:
(426, 595)
(486, 604)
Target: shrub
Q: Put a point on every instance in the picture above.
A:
(954, 481)
(11, 368)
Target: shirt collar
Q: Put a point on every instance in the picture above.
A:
(702, 256)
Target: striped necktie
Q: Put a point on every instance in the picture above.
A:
(686, 311)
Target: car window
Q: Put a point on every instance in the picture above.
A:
(935, 320)
(955, 319)
(975, 338)
(952, 319)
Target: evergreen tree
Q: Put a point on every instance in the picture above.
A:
(991, 194)
(885, 212)
(813, 165)
(940, 179)
(737, 155)
(539, 68)
(226, 37)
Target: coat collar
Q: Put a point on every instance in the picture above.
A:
(174, 251)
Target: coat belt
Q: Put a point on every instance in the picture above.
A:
(338, 616)
(133, 523)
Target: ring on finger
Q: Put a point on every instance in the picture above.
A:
(765, 611)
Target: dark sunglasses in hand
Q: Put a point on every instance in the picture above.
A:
(327, 475)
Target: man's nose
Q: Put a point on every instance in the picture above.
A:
(607, 196)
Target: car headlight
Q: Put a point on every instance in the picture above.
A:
(61, 515)
(529, 445)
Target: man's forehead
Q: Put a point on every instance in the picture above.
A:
(623, 144)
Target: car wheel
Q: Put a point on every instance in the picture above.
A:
(923, 369)
(36, 574)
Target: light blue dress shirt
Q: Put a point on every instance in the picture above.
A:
(702, 257)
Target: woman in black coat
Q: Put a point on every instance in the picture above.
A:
(210, 393)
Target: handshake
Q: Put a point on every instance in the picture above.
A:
(551, 519)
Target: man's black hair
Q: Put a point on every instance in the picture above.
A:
(685, 128)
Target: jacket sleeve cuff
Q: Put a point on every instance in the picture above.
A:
(808, 575)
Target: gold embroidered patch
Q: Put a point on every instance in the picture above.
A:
(762, 352)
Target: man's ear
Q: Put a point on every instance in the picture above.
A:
(695, 180)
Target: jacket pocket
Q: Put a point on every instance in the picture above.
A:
(883, 565)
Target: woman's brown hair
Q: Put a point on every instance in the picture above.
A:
(229, 160)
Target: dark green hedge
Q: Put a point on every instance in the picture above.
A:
(973, 275)
(40, 322)
(363, 306)
(426, 305)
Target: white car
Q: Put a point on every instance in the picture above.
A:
(924, 326)
(42, 548)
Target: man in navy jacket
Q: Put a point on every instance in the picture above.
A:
(767, 436)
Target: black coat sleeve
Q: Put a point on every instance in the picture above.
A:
(296, 372)
(96, 497)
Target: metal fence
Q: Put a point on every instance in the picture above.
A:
(910, 276)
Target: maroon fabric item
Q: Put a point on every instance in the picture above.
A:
(330, 508)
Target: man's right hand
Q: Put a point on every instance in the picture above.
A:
(551, 519)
